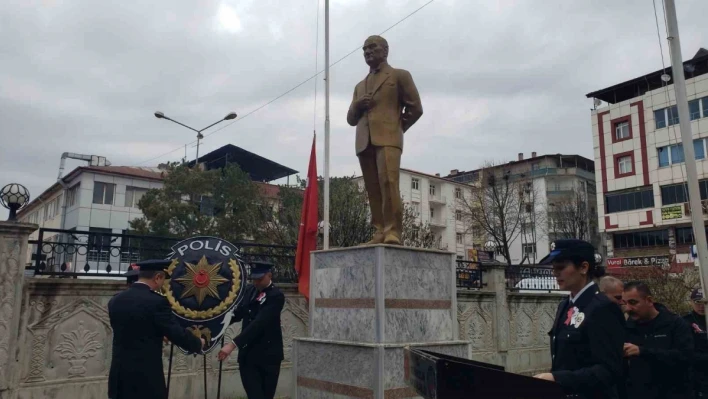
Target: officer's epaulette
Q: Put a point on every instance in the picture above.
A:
(158, 293)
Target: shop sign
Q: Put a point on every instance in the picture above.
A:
(652, 260)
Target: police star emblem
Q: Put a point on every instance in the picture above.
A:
(201, 280)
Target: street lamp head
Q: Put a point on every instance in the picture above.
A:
(159, 115)
(231, 115)
(200, 136)
(13, 197)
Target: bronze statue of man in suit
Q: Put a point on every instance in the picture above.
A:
(385, 105)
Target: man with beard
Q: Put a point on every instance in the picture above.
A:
(658, 348)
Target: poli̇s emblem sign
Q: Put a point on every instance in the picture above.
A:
(207, 280)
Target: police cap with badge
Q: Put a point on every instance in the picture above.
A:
(259, 269)
(574, 250)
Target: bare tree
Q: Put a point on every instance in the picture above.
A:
(570, 217)
(500, 207)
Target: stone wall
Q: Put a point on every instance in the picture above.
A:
(55, 335)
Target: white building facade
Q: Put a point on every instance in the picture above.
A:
(642, 194)
(96, 199)
(549, 179)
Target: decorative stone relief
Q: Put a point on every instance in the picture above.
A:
(70, 343)
(289, 332)
(521, 325)
(476, 324)
(298, 307)
(9, 279)
(77, 347)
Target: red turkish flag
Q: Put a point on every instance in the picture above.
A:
(307, 237)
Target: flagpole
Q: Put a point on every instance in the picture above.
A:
(694, 193)
(326, 145)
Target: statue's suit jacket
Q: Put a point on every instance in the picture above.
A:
(396, 107)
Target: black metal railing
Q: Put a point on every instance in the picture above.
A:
(469, 274)
(532, 278)
(70, 253)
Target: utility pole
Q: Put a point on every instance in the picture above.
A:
(687, 139)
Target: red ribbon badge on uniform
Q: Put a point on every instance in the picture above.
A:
(569, 316)
(261, 297)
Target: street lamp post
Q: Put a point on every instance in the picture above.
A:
(229, 116)
(13, 197)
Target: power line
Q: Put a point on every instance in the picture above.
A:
(358, 48)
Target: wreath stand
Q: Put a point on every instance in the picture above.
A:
(221, 364)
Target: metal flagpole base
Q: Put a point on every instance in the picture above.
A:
(169, 369)
(221, 364)
(205, 377)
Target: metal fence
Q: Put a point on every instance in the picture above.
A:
(531, 278)
(70, 253)
(469, 275)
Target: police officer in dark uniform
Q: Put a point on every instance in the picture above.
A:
(260, 343)
(588, 332)
(131, 275)
(140, 318)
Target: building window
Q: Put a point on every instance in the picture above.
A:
(654, 238)
(460, 238)
(535, 166)
(458, 193)
(624, 164)
(678, 193)
(622, 129)
(529, 248)
(432, 213)
(704, 105)
(129, 252)
(684, 235)
(666, 117)
(414, 233)
(415, 183)
(629, 201)
(416, 208)
(103, 193)
(694, 109)
(99, 247)
(458, 216)
(72, 196)
(673, 154)
(432, 190)
(133, 196)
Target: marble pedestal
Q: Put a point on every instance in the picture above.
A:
(366, 305)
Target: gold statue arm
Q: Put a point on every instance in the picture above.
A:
(413, 108)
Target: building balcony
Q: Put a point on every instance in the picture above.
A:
(437, 200)
(560, 193)
(437, 223)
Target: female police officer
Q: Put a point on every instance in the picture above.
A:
(588, 332)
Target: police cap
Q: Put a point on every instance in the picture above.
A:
(260, 268)
(133, 270)
(158, 265)
(570, 249)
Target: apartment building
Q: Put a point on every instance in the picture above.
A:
(548, 183)
(434, 201)
(642, 196)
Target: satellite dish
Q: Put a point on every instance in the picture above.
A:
(597, 102)
(665, 77)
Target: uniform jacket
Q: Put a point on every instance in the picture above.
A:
(261, 338)
(697, 323)
(396, 107)
(140, 318)
(587, 358)
(662, 369)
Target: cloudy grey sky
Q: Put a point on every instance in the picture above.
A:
(496, 77)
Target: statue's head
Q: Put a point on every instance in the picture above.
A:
(375, 50)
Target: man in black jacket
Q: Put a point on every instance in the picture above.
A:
(140, 318)
(697, 321)
(260, 343)
(658, 348)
